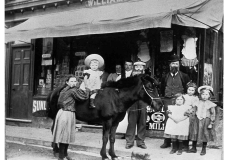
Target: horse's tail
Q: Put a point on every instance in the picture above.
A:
(49, 112)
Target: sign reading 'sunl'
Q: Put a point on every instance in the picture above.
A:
(39, 108)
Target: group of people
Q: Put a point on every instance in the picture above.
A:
(188, 117)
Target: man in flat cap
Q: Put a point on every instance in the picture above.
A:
(173, 82)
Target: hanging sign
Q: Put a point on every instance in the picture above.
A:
(39, 108)
(46, 56)
(80, 53)
(155, 120)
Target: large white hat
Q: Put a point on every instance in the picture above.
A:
(91, 57)
(205, 87)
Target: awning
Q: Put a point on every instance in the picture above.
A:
(202, 14)
(119, 17)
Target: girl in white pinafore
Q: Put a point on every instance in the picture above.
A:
(177, 126)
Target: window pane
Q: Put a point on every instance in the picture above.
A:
(25, 74)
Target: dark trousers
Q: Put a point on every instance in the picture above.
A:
(137, 116)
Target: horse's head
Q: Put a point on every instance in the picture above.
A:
(149, 92)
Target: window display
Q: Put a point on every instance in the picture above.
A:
(57, 64)
(45, 80)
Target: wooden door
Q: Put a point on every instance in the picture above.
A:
(20, 80)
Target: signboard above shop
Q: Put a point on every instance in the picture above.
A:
(91, 3)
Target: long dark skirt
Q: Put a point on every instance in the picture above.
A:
(193, 127)
(64, 129)
(205, 134)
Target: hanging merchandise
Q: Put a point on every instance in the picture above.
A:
(189, 47)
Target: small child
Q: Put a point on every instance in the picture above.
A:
(177, 125)
(206, 115)
(92, 76)
(191, 100)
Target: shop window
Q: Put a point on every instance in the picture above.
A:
(45, 79)
(208, 59)
(166, 41)
(166, 47)
(58, 61)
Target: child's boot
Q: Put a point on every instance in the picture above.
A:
(91, 103)
(185, 146)
(204, 145)
(180, 147)
(194, 147)
(167, 143)
(174, 147)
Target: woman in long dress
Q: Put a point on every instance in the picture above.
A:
(64, 128)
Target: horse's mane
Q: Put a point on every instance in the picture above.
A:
(123, 83)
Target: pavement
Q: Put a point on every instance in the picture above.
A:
(90, 143)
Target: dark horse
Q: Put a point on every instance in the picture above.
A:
(111, 104)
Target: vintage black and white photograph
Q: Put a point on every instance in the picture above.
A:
(114, 79)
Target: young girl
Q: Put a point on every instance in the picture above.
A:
(92, 76)
(206, 115)
(191, 100)
(177, 126)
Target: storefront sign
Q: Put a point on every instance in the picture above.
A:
(91, 3)
(80, 53)
(46, 56)
(155, 120)
(39, 108)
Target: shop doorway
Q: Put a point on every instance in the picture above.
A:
(19, 101)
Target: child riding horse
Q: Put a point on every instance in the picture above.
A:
(111, 102)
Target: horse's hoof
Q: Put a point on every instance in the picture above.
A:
(105, 159)
(116, 158)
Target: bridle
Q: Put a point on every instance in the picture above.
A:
(152, 98)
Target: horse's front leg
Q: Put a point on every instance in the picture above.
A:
(112, 141)
(106, 130)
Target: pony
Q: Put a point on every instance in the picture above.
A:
(112, 102)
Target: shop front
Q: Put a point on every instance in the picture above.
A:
(116, 31)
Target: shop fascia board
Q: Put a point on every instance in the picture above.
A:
(40, 12)
(28, 4)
